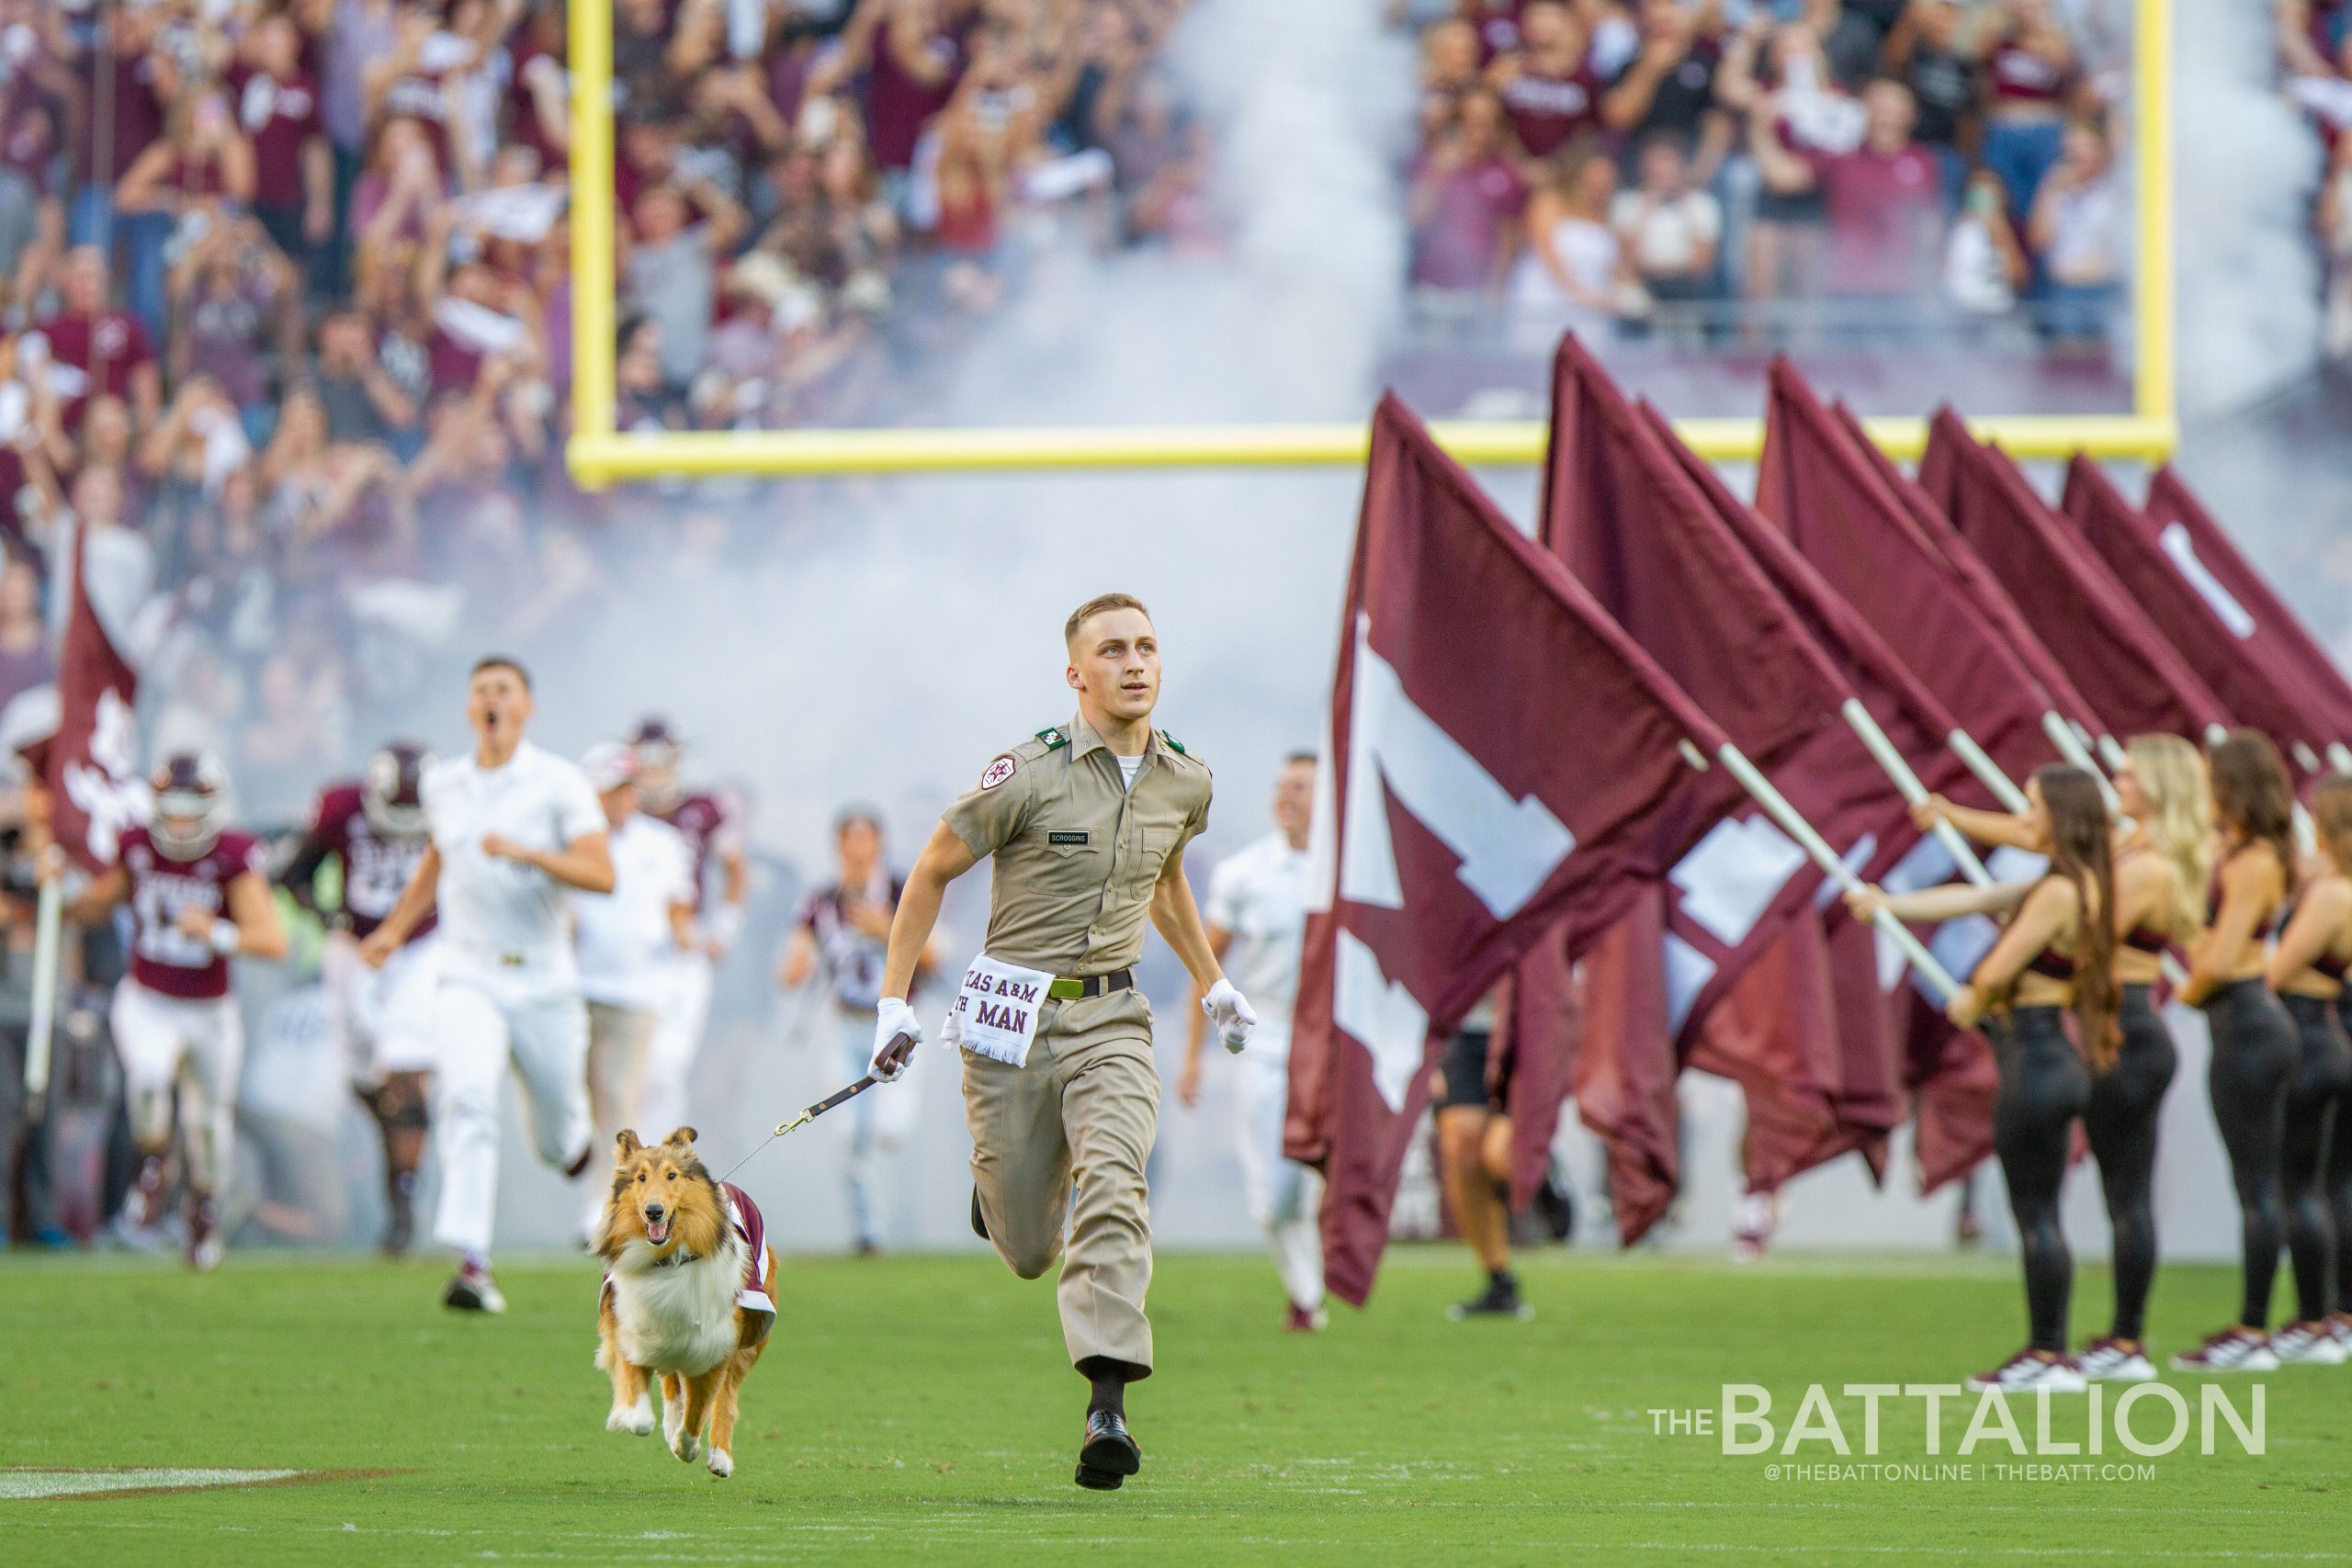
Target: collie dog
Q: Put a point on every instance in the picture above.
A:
(688, 1296)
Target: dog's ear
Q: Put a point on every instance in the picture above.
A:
(625, 1145)
(683, 1136)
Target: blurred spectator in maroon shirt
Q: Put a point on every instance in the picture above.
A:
(1495, 21)
(912, 61)
(94, 347)
(2032, 80)
(422, 81)
(200, 175)
(277, 104)
(397, 203)
(1549, 89)
(1883, 200)
(1466, 194)
(540, 87)
(236, 314)
(140, 80)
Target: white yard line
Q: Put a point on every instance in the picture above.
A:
(17, 1484)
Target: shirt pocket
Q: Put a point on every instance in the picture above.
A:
(1157, 844)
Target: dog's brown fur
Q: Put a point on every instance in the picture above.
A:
(672, 1173)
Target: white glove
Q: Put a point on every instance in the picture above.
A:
(1230, 1011)
(894, 1026)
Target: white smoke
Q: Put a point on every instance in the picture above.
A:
(886, 654)
(2248, 165)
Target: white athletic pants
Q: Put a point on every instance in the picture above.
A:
(1284, 1195)
(530, 1018)
(193, 1046)
(384, 1018)
(677, 1040)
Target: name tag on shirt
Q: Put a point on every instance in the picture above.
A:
(996, 1011)
(1077, 835)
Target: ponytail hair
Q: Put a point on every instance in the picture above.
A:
(2082, 838)
(2332, 818)
(2252, 797)
(2180, 826)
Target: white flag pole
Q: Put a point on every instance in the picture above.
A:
(1778, 807)
(2070, 746)
(1907, 784)
(48, 933)
(1988, 772)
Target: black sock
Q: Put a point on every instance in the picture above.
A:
(1110, 1393)
(1503, 1279)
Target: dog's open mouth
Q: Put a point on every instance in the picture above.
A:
(658, 1231)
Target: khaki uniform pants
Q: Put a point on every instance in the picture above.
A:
(1084, 1109)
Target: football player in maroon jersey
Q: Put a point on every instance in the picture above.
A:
(373, 828)
(713, 832)
(198, 892)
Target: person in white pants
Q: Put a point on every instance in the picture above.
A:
(1256, 916)
(514, 831)
(625, 939)
(844, 927)
(711, 821)
(199, 892)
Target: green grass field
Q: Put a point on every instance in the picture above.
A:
(920, 1409)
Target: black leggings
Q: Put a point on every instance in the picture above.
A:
(2315, 1088)
(2121, 1122)
(2337, 1181)
(2044, 1085)
(2253, 1049)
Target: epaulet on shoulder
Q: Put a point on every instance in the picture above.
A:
(1179, 747)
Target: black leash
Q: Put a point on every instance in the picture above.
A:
(901, 1048)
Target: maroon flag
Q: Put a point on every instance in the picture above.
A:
(1929, 510)
(2201, 552)
(1644, 531)
(1542, 1026)
(1505, 761)
(1856, 1057)
(1826, 492)
(2133, 678)
(1624, 1073)
(2213, 632)
(88, 763)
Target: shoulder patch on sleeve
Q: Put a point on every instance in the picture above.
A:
(1053, 739)
(998, 771)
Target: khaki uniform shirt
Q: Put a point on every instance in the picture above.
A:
(1077, 853)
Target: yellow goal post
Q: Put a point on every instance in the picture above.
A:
(599, 454)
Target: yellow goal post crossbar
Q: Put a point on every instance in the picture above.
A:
(599, 454)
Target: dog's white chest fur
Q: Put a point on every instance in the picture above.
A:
(681, 1318)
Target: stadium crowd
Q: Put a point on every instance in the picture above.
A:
(1769, 172)
(287, 293)
(284, 307)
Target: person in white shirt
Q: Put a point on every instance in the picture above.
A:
(515, 830)
(842, 931)
(624, 939)
(1256, 916)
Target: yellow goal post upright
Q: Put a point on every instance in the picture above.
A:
(600, 454)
